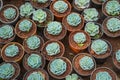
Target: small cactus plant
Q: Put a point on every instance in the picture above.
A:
(103, 76)
(72, 77)
(82, 3)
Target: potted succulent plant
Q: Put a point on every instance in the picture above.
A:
(73, 21)
(111, 8)
(9, 14)
(26, 10)
(12, 52)
(55, 30)
(79, 40)
(59, 67)
(84, 64)
(111, 26)
(80, 5)
(7, 34)
(90, 14)
(94, 30)
(36, 74)
(9, 70)
(33, 43)
(1, 4)
(73, 77)
(42, 17)
(33, 61)
(60, 8)
(52, 49)
(40, 3)
(25, 28)
(103, 73)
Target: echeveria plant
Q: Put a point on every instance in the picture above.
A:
(118, 55)
(25, 25)
(86, 63)
(36, 76)
(58, 66)
(113, 8)
(54, 28)
(39, 15)
(11, 50)
(6, 71)
(73, 19)
(72, 77)
(90, 14)
(9, 13)
(33, 42)
(60, 6)
(53, 48)
(103, 76)
(40, 1)
(26, 9)
(92, 28)
(6, 31)
(113, 24)
(34, 61)
(82, 3)
(99, 46)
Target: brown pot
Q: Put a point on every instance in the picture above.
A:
(102, 69)
(68, 71)
(22, 34)
(16, 58)
(28, 50)
(77, 67)
(25, 64)
(17, 69)
(104, 10)
(106, 31)
(44, 73)
(3, 19)
(56, 37)
(72, 28)
(74, 46)
(102, 56)
(48, 57)
(5, 41)
(40, 5)
(59, 16)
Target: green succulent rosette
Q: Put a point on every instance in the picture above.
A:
(103, 76)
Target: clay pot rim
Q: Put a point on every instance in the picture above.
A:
(5, 46)
(17, 13)
(38, 53)
(57, 77)
(50, 41)
(97, 2)
(86, 54)
(103, 68)
(1, 4)
(82, 19)
(104, 11)
(17, 25)
(104, 25)
(36, 70)
(109, 45)
(18, 68)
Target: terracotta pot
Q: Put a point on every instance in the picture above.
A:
(17, 69)
(16, 58)
(25, 64)
(55, 37)
(48, 57)
(44, 73)
(74, 46)
(22, 34)
(59, 16)
(28, 50)
(106, 31)
(5, 41)
(6, 21)
(102, 69)
(1, 4)
(40, 5)
(67, 72)
(77, 67)
(73, 28)
(102, 56)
